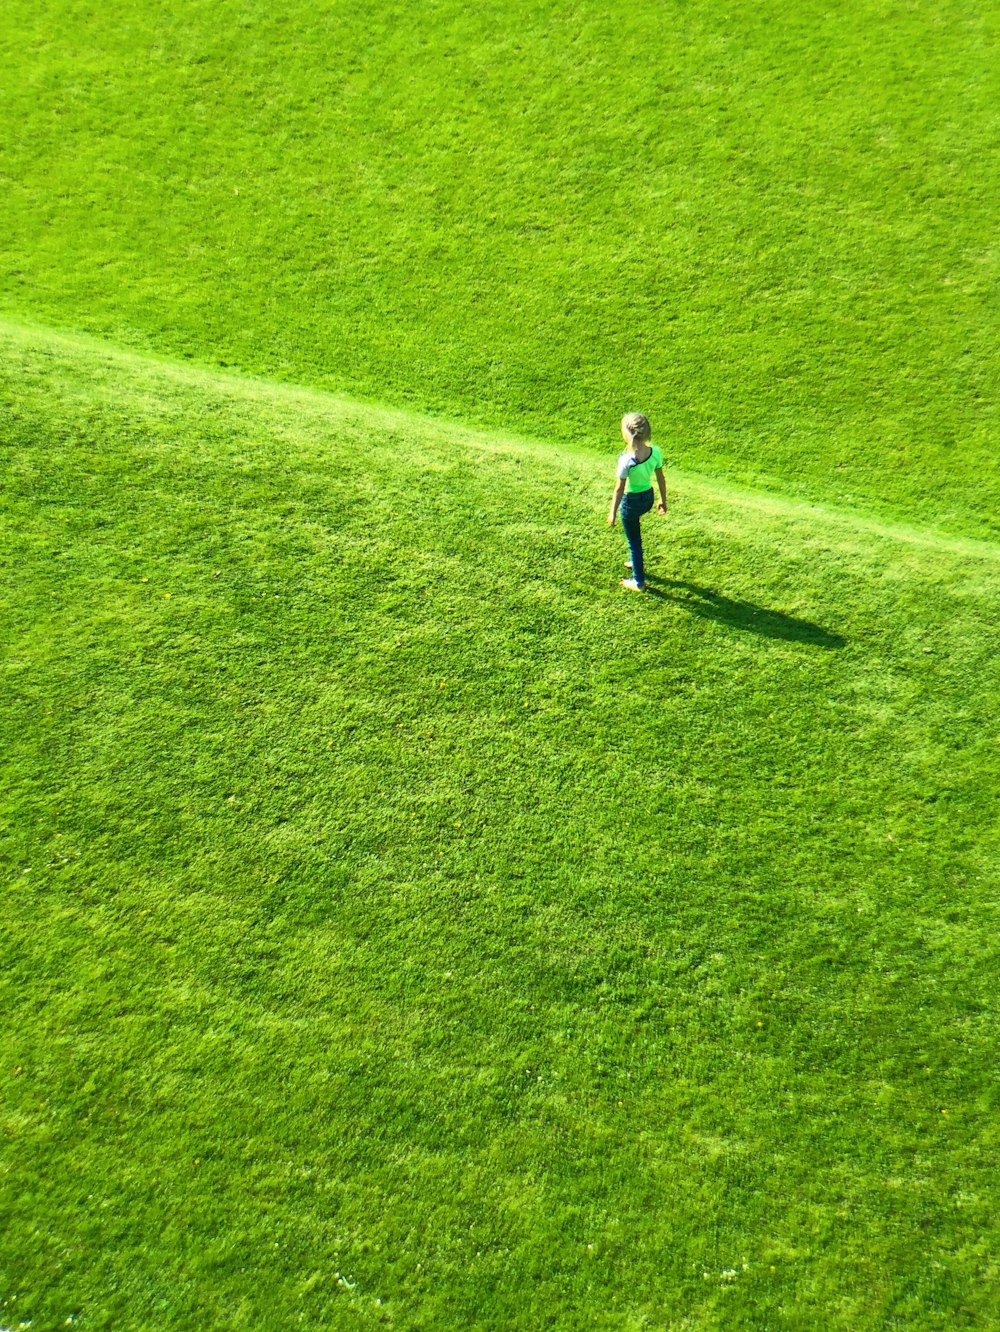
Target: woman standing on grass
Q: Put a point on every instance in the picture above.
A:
(634, 491)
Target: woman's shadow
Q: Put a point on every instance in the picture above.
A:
(741, 614)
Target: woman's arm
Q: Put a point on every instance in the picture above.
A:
(616, 499)
(662, 506)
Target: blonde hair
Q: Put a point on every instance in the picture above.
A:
(637, 427)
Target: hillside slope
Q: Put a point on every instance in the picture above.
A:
(772, 228)
(403, 926)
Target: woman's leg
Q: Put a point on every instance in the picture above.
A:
(630, 515)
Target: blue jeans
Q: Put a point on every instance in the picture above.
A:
(633, 506)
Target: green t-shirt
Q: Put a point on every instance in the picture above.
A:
(638, 475)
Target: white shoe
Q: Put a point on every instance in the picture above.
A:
(632, 586)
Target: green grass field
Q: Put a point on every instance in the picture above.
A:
(403, 927)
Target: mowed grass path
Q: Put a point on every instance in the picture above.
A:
(770, 226)
(404, 927)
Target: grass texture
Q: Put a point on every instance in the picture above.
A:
(769, 226)
(403, 927)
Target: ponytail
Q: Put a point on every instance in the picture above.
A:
(637, 428)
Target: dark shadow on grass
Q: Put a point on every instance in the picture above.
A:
(741, 614)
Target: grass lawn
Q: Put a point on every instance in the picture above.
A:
(769, 226)
(404, 927)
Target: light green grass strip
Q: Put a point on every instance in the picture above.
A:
(850, 524)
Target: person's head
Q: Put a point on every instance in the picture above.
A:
(636, 430)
